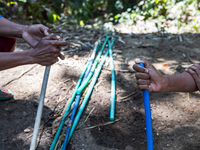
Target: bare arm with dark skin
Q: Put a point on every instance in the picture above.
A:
(46, 48)
(46, 53)
(150, 78)
(31, 34)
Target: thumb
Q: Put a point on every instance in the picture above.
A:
(45, 30)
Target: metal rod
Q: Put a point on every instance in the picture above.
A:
(40, 108)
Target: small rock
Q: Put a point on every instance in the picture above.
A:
(128, 147)
(46, 100)
(27, 130)
(190, 135)
(76, 57)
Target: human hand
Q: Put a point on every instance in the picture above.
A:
(194, 71)
(47, 51)
(149, 77)
(34, 33)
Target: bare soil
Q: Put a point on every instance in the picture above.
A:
(175, 116)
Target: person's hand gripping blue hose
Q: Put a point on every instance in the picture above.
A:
(147, 109)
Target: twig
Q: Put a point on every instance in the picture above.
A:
(63, 97)
(96, 86)
(124, 71)
(180, 38)
(100, 125)
(120, 100)
(86, 118)
(16, 144)
(19, 76)
(189, 58)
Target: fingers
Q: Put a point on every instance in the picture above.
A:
(143, 87)
(195, 68)
(51, 37)
(44, 30)
(149, 77)
(61, 56)
(194, 71)
(142, 76)
(60, 43)
(54, 40)
(139, 68)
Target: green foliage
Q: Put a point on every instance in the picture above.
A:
(37, 11)
(182, 12)
(96, 11)
(107, 12)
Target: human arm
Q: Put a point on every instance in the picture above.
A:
(150, 78)
(45, 53)
(31, 34)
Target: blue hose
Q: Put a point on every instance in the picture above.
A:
(82, 77)
(78, 97)
(147, 109)
(87, 96)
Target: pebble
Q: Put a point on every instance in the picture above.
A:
(27, 130)
(46, 100)
(190, 135)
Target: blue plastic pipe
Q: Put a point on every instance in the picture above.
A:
(78, 97)
(56, 137)
(147, 109)
(85, 71)
(87, 96)
(85, 81)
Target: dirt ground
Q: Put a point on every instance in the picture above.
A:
(175, 116)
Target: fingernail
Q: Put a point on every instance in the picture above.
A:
(146, 70)
(149, 87)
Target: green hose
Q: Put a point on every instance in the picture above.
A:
(67, 110)
(113, 87)
(85, 83)
(87, 96)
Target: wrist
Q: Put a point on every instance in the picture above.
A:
(30, 57)
(23, 30)
(164, 85)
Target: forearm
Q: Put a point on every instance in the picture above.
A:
(10, 29)
(183, 82)
(14, 59)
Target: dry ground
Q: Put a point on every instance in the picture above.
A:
(175, 116)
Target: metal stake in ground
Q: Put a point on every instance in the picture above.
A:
(39, 110)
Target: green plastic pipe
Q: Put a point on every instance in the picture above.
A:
(67, 110)
(85, 83)
(113, 87)
(87, 96)
(56, 137)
